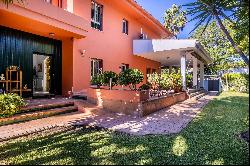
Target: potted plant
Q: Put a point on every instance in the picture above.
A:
(97, 81)
(110, 76)
(175, 82)
(131, 77)
(144, 92)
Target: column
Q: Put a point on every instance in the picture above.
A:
(183, 71)
(70, 6)
(201, 75)
(195, 72)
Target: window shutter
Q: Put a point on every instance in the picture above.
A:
(127, 27)
(101, 17)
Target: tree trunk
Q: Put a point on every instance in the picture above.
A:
(242, 55)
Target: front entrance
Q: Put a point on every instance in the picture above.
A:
(39, 58)
(42, 65)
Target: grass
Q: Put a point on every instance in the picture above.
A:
(209, 139)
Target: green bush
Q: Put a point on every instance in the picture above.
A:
(131, 77)
(10, 104)
(154, 79)
(97, 80)
(145, 87)
(236, 82)
(106, 78)
(175, 81)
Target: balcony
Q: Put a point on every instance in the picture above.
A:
(35, 15)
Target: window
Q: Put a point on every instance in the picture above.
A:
(96, 15)
(125, 26)
(96, 67)
(124, 67)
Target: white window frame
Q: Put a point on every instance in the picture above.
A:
(125, 26)
(95, 71)
(97, 16)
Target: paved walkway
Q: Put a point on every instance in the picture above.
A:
(167, 121)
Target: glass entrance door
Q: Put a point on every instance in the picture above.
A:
(41, 74)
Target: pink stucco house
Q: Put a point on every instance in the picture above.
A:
(83, 37)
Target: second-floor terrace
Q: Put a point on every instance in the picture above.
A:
(44, 17)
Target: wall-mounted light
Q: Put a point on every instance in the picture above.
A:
(52, 34)
(82, 52)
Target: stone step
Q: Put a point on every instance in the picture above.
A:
(197, 97)
(195, 93)
(37, 115)
(46, 106)
(192, 91)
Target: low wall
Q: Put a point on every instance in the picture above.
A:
(131, 102)
(154, 105)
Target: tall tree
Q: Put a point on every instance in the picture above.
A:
(215, 42)
(206, 11)
(175, 19)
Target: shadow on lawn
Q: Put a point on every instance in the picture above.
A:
(208, 140)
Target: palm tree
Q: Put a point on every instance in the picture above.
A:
(206, 11)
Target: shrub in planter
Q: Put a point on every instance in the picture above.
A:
(97, 80)
(106, 78)
(10, 104)
(145, 87)
(154, 79)
(165, 82)
(175, 82)
(131, 77)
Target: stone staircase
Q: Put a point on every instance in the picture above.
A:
(40, 110)
(196, 94)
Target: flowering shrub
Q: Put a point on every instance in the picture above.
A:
(10, 104)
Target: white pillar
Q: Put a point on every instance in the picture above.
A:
(195, 72)
(70, 6)
(183, 71)
(201, 75)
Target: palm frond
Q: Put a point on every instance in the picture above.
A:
(208, 21)
(201, 21)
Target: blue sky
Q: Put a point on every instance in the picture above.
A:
(158, 7)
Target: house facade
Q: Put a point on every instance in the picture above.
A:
(61, 44)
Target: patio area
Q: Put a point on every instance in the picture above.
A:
(167, 121)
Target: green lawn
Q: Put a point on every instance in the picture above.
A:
(209, 139)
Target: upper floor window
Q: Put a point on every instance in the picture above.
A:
(124, 67)
(125, 26)
(96, 15)
(96, 67)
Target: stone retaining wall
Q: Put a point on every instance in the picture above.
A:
(131, 102)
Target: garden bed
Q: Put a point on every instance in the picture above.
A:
(129, 102)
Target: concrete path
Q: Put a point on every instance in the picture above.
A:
(167, 121)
